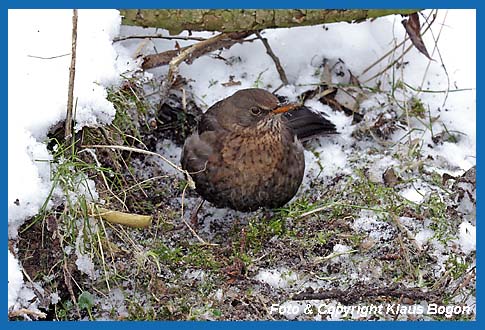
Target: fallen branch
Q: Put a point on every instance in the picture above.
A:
(158, 36)
(359, 293)
(224, 20)
(192, 52)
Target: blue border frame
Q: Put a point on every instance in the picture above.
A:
(239, 4)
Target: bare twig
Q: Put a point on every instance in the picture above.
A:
(72, 73)
(146, 152)
(359, 293)
(158, 36)
(188, 54)
(48, 58)
(275, 58)
(436, 39)
(406, 232)
(24, 311)
(105, 181)
(200, 239)
(67, 281)
(390, 65)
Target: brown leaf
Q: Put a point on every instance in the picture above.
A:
(353, 79)
(231, 82)
(391, 179)
(413, 28)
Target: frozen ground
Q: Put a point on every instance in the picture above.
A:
(349, 228)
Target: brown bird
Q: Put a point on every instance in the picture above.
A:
(247, 152)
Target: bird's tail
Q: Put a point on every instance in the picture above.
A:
(308, 124)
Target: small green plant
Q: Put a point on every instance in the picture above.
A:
(86, 302)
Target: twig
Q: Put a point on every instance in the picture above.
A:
(146, 152)
(359, 293)
(318, 209)
(223, 40)
(158, 36)
(195, 51)
(406, 232)
(67, 281)
(436, 39)
(275, 58)
(200, 239)
(105, 181)
(48, 58)
(24, 311)
(334, 255)
(72, 73)
(389, 53)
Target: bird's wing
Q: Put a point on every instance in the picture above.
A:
(209, 121)
(197, 150)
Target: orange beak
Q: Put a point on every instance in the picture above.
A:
(286, 108)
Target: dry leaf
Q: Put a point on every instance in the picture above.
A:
(231, 82)
(413, 28)
(353, 79)
(391, 179)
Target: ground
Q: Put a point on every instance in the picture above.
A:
(382, 218)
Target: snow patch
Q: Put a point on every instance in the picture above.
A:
(277, 278)
(467, 237)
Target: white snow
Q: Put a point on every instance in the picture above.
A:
(15, 279)
(39, 47)
(467, 237)
(423, 237)
(277, 278)
(413, 194)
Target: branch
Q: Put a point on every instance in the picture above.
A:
(275, 59)
(224, 20)
(353, 295)
(192, 52)
(72, 73)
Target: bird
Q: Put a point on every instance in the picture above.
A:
(247, 151)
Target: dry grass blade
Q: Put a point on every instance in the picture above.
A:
(146, 152)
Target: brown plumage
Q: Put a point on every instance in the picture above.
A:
(247, 153)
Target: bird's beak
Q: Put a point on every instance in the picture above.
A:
(286, 108)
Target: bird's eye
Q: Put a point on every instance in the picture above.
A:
(255, 111)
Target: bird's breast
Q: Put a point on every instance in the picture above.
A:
(254, 153)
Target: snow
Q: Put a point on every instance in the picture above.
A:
(15, 279)
(100, 64)
(376, 229)
(423, 237)
(40, 53)
(277, 278)
(467, 237)
(412, 194)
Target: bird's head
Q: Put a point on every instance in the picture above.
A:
(252, 107)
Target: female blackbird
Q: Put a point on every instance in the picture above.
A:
(247, 152)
